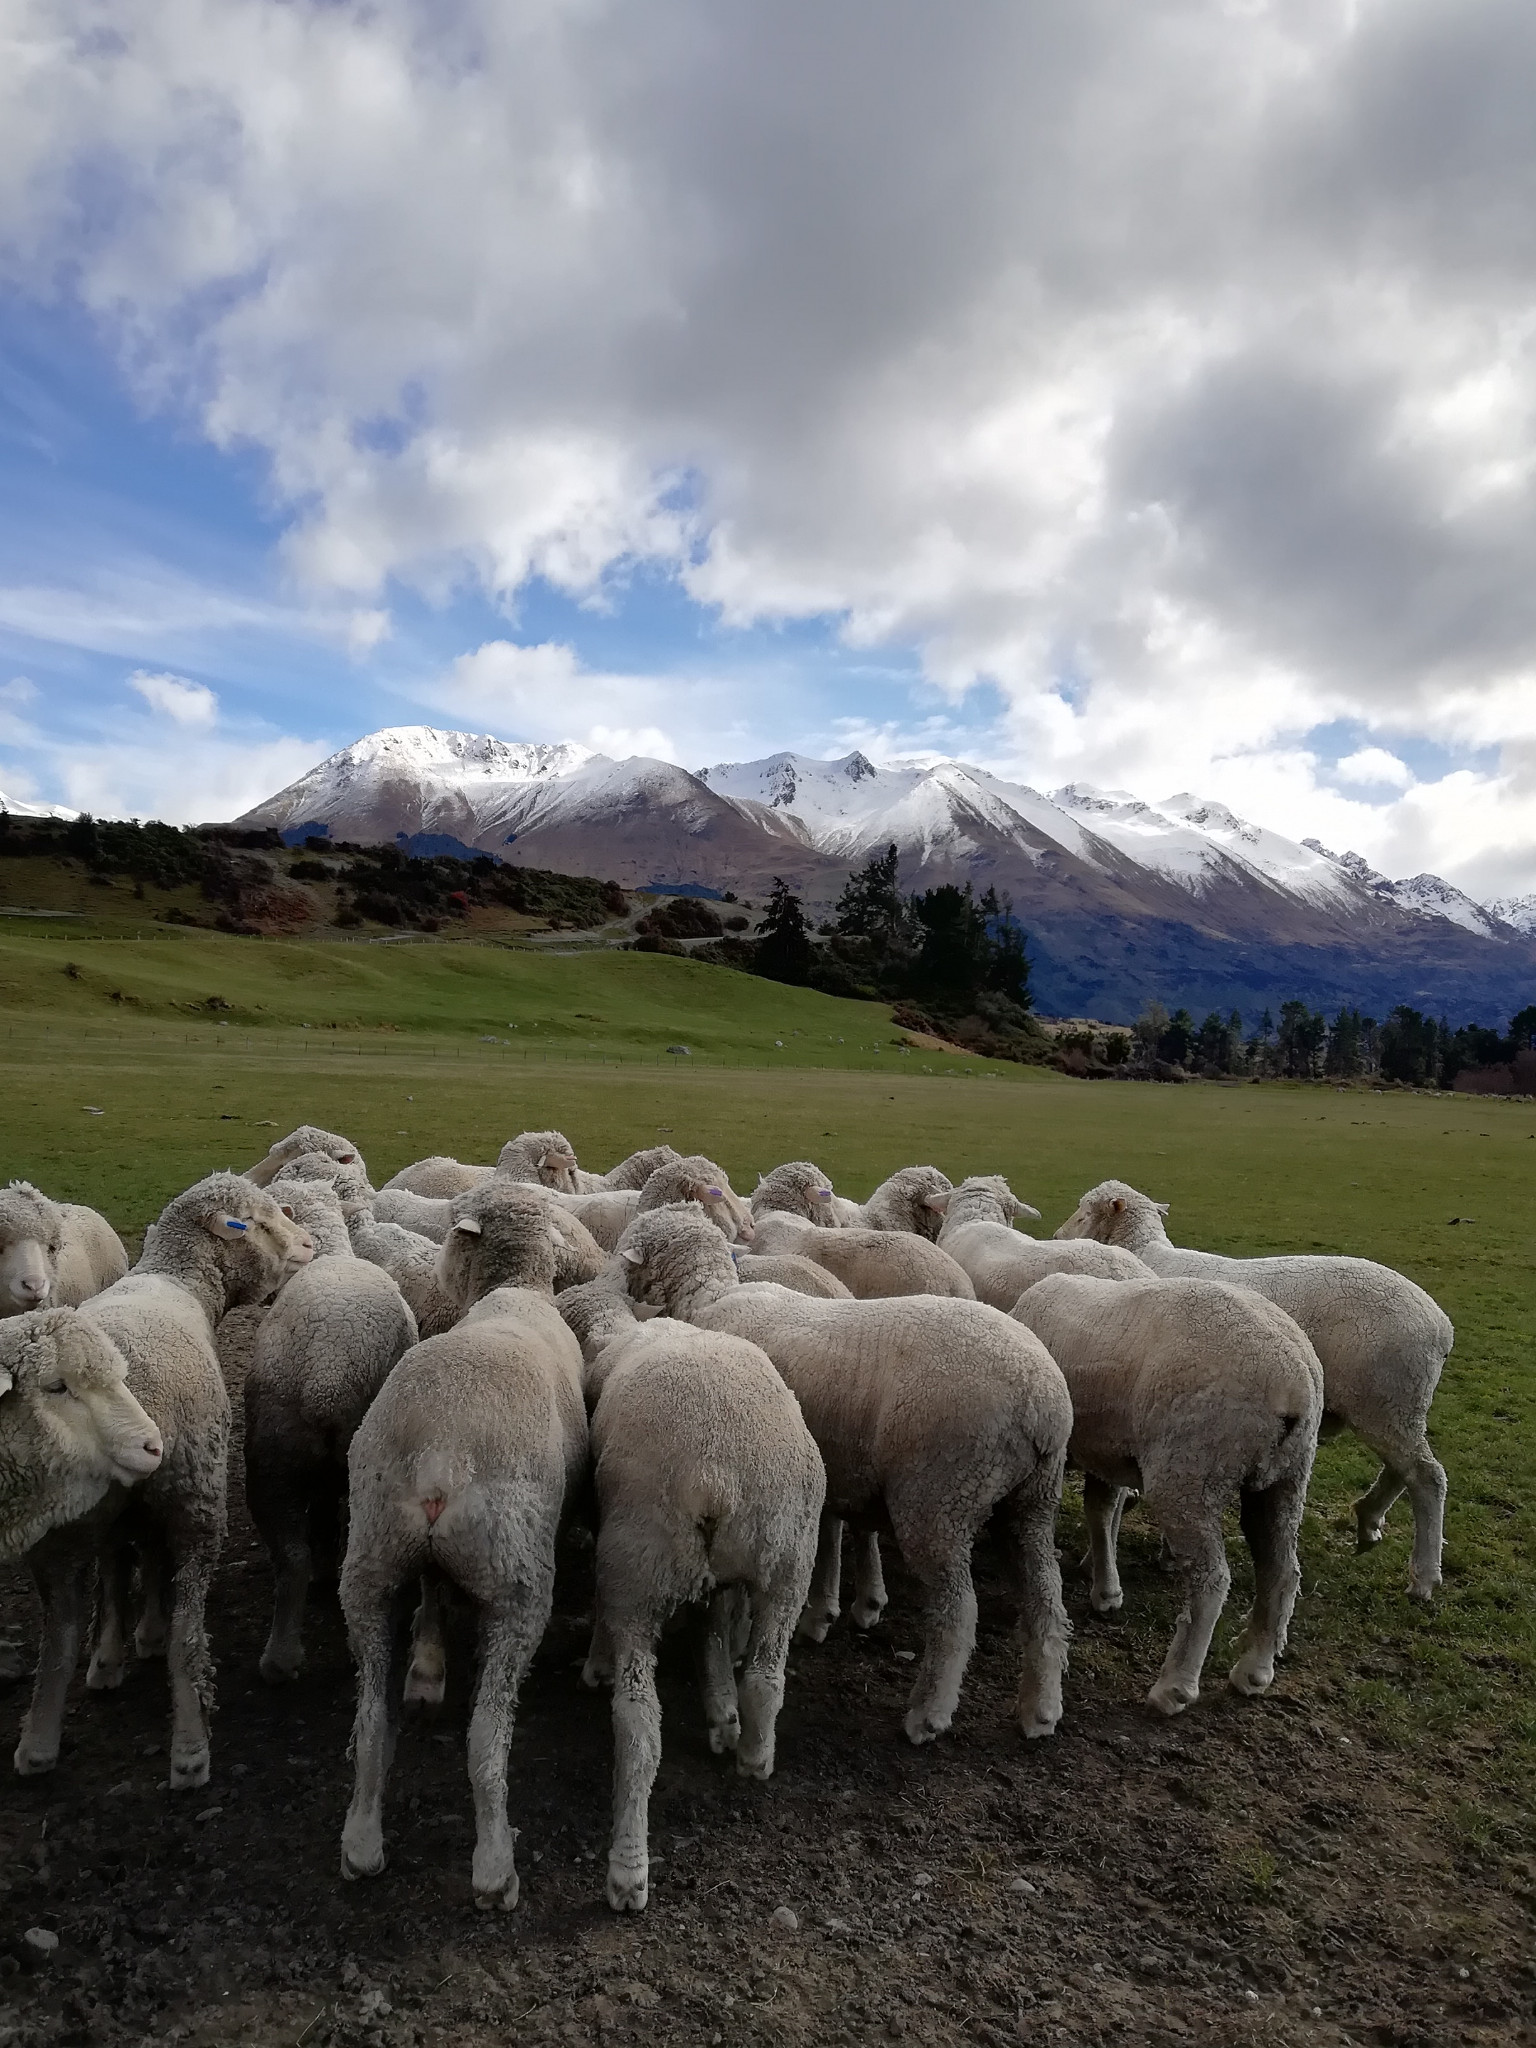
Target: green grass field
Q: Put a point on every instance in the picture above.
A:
(1248, 1170)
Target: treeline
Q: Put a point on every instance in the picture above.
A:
(1303, 1044)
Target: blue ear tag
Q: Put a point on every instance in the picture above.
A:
(234, 1223)
(734, 1257)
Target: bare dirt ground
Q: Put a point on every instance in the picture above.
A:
(1253, 1872)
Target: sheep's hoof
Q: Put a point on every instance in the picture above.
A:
(1422, 1589)
(189, 1771)
(725, 1734)
(149, 1643)
(502, 1901)
(595, 1674)
(1367, 1536)
(33, 1763)
(1251, 1678)
(866, 1613)
(1107, 1603)
(923, 1726)
(628, 1890)
(1170, 1699)
(424, 1688)
(354, 1866)
(277, 1670)
(103, 1677)
(754, 1764)
(1035, 1726)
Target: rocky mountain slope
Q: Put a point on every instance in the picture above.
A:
(1123, 899)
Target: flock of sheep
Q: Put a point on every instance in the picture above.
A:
(451, 1366)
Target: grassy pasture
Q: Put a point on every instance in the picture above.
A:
(1247, 1169)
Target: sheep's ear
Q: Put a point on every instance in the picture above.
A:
(469, 1225)
(222, 1224)
(759, 1180)
(556, 1239)
(823, 1194)
(715, 1194)
(287, 1210)
(346, 1158)
(939, 1202)
(632, 1257)
(1117, 1205)
(1161, 1208)
(1025, 1209)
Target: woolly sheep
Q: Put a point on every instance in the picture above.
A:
(324, 1349)
(547, 1158)
(899, 1203)
(53, 1254)
(508, 1234)
(221, 1242)
(797, 1188)
(438, 1177)
(69, 1425)
(694, 1178)
(427, 1215)
(788, 1269)
(1382, 1343)
(1191, 1391)
(605, 1214)
(707, 1479)
(632, 1172)
(870, 1263)
(1002, 1262)
(410, 1260)
(462, 1469)
(307, 1138)
(929, 1415)
(314, 1207)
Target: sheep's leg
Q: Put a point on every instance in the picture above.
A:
(1202, 1557)
(717, 1670)
(61, 1580)
(190, 1665)
(949, 1636)
(154, 1630)
(636, 1759)
(1271, 1521)
(281, 1514)
(762, 1685)
(509, 1636)
(598, 1669)
(1411, 1467)
(1372, 1506)
(371, 1611)
(426, 1678)
(114, 1589)
(824, 1603)
(1103, 1506)
(1124, 1495)
(1044, 1631)
(869, 1594)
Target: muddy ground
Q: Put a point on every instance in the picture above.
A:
(1255, 1871)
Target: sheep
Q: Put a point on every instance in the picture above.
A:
(797, 1188)
(707, 1479)
(438, 1177)
(1000, 1261)
(314, 1207)
(426, 1215)
(53, 1254)
(221, 1242)
(462, 1468)
(928, 1415)
(324, 1349)
(899, 1203)
(870, 1263)
(69, 1425)
(546, 1158)
(1381, 1340)
(787, 1269)
(410, 1260)
(511, 1234)
(605, 1214)
(632, 1172)
(307, 1138)
(1190, 1391)
(697, 1179)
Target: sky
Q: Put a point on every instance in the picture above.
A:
(1139, 396)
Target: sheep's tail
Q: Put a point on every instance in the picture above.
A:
(1281, 1459)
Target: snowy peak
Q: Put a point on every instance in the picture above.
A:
(424, 750)
(1518, 912)
(14, 806)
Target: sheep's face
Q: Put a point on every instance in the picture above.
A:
(901, 1203)
(73, 1381)
(496, 1243)
(31, 1234)
(307, 1138)
(544, 1157)
(261, 1242)
(1113, 1213)
(984, 1197)
(316, 1207)
(797, 1189)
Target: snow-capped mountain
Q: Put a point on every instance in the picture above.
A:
(17, 809)
(1122, 898)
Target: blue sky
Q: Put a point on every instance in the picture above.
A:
(1144, 403)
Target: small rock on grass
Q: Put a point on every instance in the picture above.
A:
(1023, 1886)
(41, 1942)
(781, 1916)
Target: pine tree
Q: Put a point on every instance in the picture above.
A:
(784, 950)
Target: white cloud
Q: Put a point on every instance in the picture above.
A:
(197, 780)
(366, 630)
(1374, 766)
(543, 693)
(1170, 369)
(174, 697)
(19, 690)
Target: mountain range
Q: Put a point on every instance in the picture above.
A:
(1123, 900)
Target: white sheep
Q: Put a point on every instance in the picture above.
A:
(69, 1425)
(462, 1468)
(606, 1213)
(547, 1158)
(696, 1179)
(870, 1263)
(324, 1349)
(1381, 1340)
(426, 1215)
(797, 1188)
(899, 1203)
(439, 1177)
(512, 1234)
(53, 1254)
(221, 1242)
(1002, 1262)
(307, 1138)
(313, 1205)
(707, 1479)
(929, 1415)
(631, 1172)
(1195, 1393)
(788, 1269)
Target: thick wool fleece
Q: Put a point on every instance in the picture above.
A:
(899, 1203)
(799, 1189)
(1001, 1262)
(870, 1263)
(546, 1158)
(697, 1179)
(307, 1138)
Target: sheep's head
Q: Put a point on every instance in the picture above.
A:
(1114, 1213)
(257, 1242)
(901, 1202)
(675, 1260)
(798, 1189)
(502, 1235)
(349, 1177)
(31, 1233)
(982, 1198)
(697, 1179)
(317, 1208)
(637, 1169)
(547, 1158)
(64, 1398)
(307, 1138)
